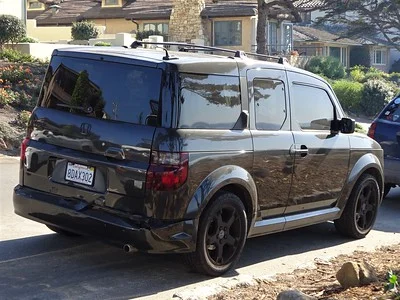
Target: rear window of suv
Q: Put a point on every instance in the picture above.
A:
(392, 111)
(208, 101)
(99, 89)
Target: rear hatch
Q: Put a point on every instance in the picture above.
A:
(92, 132)
(386, 129)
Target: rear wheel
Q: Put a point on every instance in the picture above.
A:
(361, 209)
(221, 236)
(61, 231)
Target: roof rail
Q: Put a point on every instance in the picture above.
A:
(186, 47)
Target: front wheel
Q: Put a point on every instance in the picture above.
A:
(221, 236)
(361, 209)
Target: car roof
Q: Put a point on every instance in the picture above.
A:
(199, 62)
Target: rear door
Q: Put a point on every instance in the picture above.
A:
(272, 139)
(92, 132)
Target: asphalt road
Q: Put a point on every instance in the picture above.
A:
(38, 264)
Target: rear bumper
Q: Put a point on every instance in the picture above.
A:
(144, 234)
(392, 171)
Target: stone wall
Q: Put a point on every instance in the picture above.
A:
(185, 23)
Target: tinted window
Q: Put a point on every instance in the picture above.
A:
(313, 108)
(209, 101)
(228, 33)
(392, 111)
(104, 90)
(269, 99)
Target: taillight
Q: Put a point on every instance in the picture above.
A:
(167, 171)
(24, 145)
(371, 130)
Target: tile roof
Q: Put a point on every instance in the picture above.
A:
(311, 34)
(309, 4)
(75, 10)
(230, 9)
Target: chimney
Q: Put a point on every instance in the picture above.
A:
(185, 23)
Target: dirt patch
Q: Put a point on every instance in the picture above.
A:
(321, 282)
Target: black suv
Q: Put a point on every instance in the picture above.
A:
(192, 153)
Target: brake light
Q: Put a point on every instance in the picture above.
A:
(167, 171)
(24, 145)
(371, 130)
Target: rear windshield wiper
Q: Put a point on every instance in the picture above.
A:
(87, 110)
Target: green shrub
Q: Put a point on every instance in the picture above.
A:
(103, 44)
(357, 73)
(395, 77)
(12, 55)
(326, 65)
(11, 29)
(349, 94)
(373, 73)
(141, 35)
(15, 74)
(22, 118)
(27, 39)
(84, 31)
(376, 94)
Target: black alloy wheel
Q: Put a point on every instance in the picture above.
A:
(360, 213)
(221, 236)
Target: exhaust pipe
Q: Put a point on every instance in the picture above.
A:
(129, 248)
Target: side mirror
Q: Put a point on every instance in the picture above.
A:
(347, 125)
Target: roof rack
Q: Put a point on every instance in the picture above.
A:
(186, 47)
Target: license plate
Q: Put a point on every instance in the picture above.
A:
(79, 174)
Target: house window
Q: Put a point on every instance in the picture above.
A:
(35, 5)
(160, 27)
(228, 33)
(287, 37)
(305, 17)
(379, 57)
(340, 53)
(111, 2)
(272, 45)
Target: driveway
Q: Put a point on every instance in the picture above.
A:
(38, 264)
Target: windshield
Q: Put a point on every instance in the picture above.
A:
(105, 90)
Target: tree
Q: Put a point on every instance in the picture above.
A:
(276, 9)
(84, 31)
(11, 30)
(363, 18)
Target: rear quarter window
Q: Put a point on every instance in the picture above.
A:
(392, 111)
(105, 90)
(208, 101)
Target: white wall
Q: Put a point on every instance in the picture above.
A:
(12, 7)
(39, 50)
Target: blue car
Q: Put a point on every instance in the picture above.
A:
(385, 129)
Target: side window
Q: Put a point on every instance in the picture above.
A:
(208, 101)
(313, 109)
(270, 103)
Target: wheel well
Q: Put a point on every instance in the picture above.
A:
(244, 195)
(374, 172)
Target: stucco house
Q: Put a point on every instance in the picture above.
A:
(13, 7)
(310, 41)
(224, 23)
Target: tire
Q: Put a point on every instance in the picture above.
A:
(221, 236)
(386, 190)
(361, 209)
(62, 231)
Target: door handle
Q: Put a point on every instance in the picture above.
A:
(299, 150)
(114, 152)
